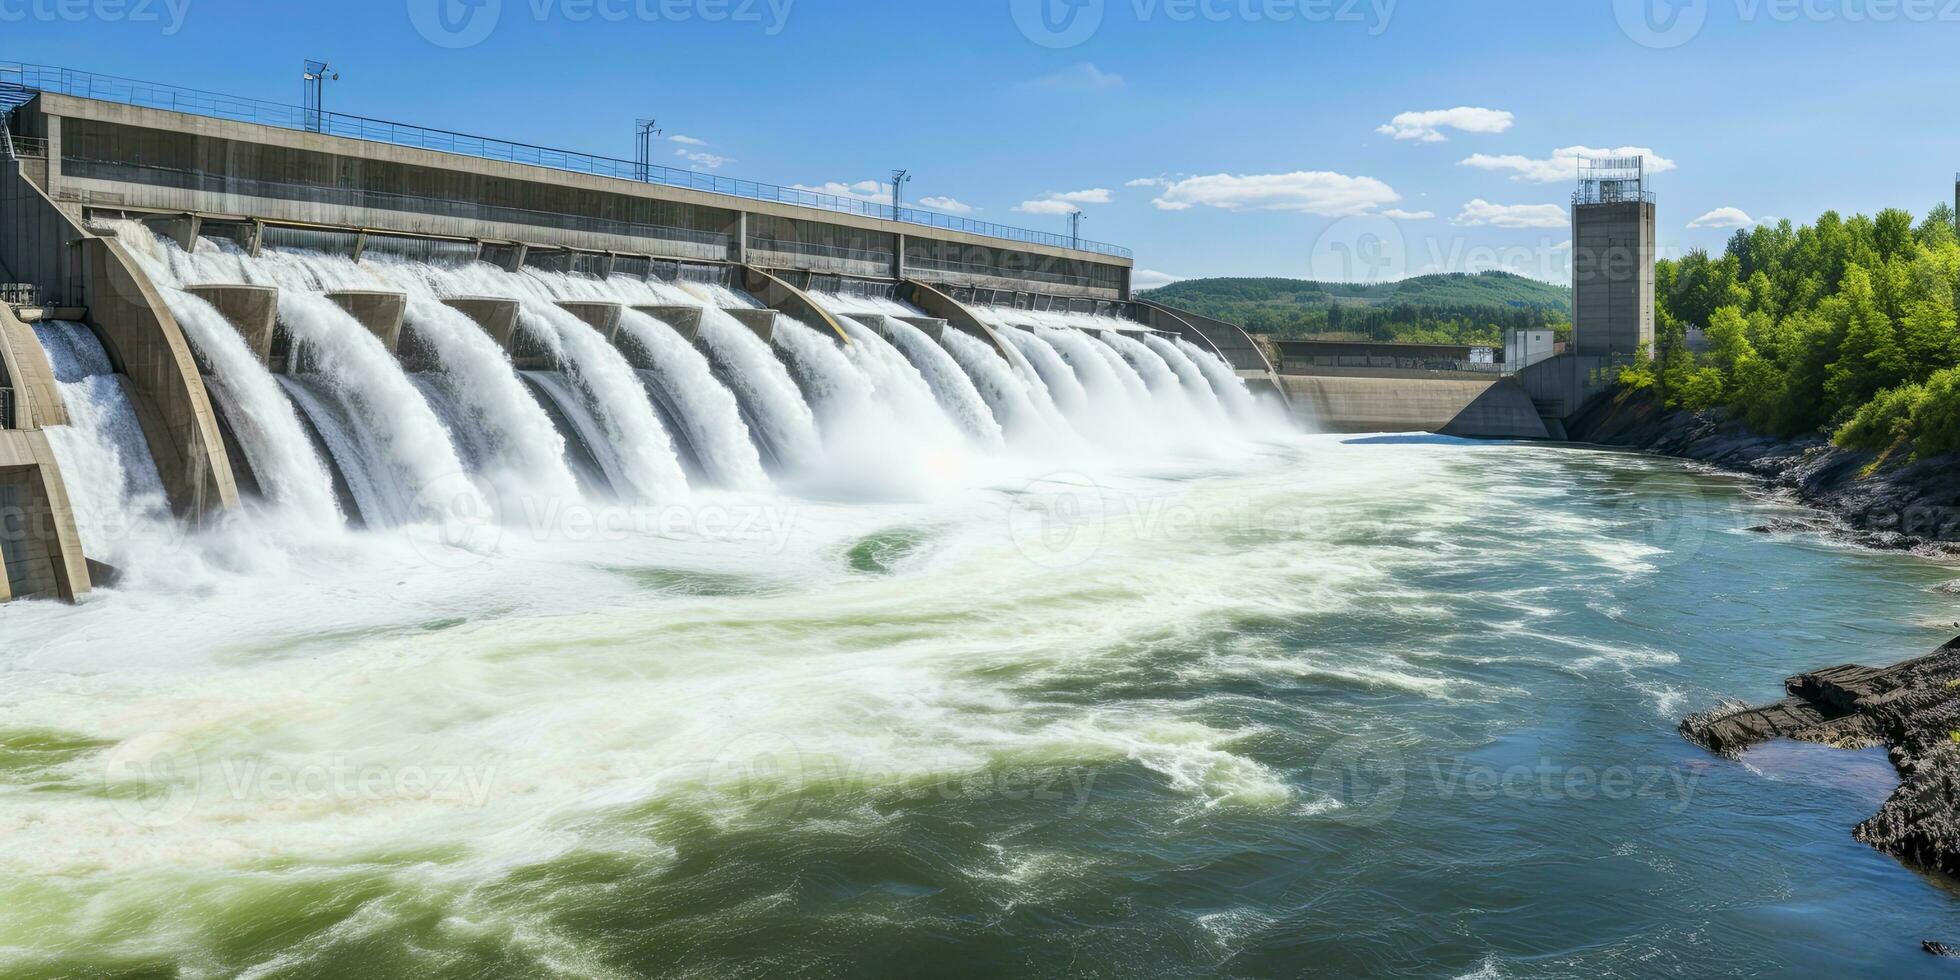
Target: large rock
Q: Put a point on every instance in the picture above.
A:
(1912, 708)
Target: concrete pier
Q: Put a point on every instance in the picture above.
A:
(40, 547)
(24, 367)
(251, 310)
(761, 322)
(379, 311)
(686, 320)
(497, 317)
(146, 345)
(600, 316)
(784, 298)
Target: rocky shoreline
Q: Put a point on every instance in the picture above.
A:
(1894, 505)
(1912, 708)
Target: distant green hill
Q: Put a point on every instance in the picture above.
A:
(1448, 308)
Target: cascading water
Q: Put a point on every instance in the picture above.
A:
(1232, 390)
(517, 448)
(613, 408)
(708, 410)
(290, 474)
(953, 387)
(909, 397)
(113, 485)
(1196, 389)
(760, 381)
(1061, 379)
(396, 454)
(947, 385)
(1157, 375)
(1006, 392)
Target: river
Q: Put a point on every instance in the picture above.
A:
(1389, 706)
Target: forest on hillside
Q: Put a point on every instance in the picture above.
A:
(1447, 308)
(1845, 326)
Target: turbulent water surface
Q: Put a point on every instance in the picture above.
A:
(1362, 706)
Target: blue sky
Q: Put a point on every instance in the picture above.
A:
(1258, 124)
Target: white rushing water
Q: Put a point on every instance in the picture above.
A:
(290, 474)
(113, 485)
(706, 407)
(406, 461)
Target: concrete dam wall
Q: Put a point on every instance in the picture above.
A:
(1495, 409)
(351, 332)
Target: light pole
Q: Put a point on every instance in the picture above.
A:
(646, 130)
(314, 76)
(899, 179)
(1075, 220)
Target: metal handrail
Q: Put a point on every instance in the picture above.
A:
(110, 88)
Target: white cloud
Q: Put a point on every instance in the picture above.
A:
(1149, 182)
(1723, 218)
(1563, 165)
(1064, 202)
(1151, 279)
(686, 140)
(706, 161)
(1428, 126)
(1079, 78)
(1309, 192)
(1045, 207)
(947, 204)
(863, 190)
(1482, 213)
(1400, 215)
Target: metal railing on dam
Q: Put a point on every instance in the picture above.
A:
(152, 95)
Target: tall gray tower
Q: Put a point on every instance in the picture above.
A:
(1613, 258)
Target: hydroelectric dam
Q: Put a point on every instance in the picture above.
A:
(217, 303)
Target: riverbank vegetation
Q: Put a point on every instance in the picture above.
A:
(1845, 326)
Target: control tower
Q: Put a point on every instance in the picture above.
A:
(1613, 258)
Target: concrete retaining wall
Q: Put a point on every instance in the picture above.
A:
(37, 400)
(143, 340)
(1473, 409)
(40, 547)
